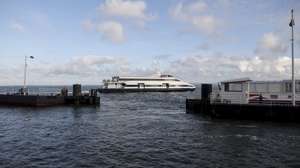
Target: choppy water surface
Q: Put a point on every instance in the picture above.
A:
(141, 130)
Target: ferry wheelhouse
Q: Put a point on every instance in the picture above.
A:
(246, 91)
(162, 83)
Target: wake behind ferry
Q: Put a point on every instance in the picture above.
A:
(162, 83)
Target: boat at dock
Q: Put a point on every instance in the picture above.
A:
(162, 83)
(247, 99)
(246, 91)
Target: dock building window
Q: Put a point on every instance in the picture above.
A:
(261, 87)
(274, 96)
(297, 86)
(233, 87)
(288, 87)
(274, 87)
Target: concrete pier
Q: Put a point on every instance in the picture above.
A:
(63, 98)
(257, 112)
(261, 112)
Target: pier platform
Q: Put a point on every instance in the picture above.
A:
(77, 98)
(254, 110)
(261, 112)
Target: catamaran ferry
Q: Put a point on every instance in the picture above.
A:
(162, 83)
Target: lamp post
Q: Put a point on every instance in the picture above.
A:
(25, 74)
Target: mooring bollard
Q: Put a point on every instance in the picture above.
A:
(64, 91)
(76, 90)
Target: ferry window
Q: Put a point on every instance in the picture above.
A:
(124, 79)
(141, 85)
(184, 85)
(132, 86)
(153, 85)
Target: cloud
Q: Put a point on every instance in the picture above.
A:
(206, 24)
(16, 26)
(162, 57)
(112, 31)
(271, 45)
(113, 15)
(183, 11)
(268, 62)
(195, 14)
(89, 69)
(88, 25)
(92, 69)
(199, 68)
(133, 9)
(87, 65)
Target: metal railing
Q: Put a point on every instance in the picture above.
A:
(36, 91)
(217, 99)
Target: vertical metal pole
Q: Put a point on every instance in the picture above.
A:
(248, 95)
(25, 73)
(293, 70)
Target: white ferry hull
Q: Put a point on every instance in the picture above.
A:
(122, 90)
(163, 83)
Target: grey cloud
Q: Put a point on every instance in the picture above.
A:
(194, 68)
(125, 9)
(17, 26)
(271, 45)
(112, 30)
(88, 65)
(198, 17)
(215, 68)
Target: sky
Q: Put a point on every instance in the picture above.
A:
(75, 41)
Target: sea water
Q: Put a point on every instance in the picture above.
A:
(139, 130)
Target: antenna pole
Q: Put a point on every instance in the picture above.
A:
(293, 64)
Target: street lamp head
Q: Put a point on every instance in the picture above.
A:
(32, 57)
